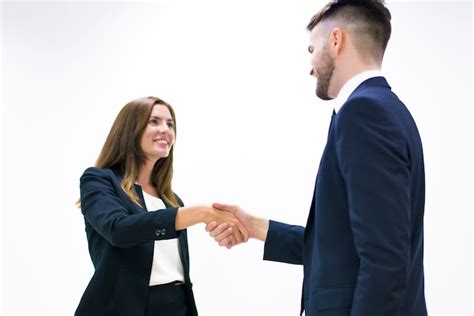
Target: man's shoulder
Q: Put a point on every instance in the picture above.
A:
(373, 95)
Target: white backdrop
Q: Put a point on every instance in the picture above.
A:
(250, 131)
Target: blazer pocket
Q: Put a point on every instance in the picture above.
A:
(334, 298)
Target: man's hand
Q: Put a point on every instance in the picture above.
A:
(223, 233)
(231, 228)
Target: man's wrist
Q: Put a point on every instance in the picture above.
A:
(260, 226)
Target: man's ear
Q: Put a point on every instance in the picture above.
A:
(337, 40)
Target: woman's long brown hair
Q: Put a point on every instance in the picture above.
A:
(122, 150)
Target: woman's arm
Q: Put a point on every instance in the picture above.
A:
(191, 215)
(106, 212)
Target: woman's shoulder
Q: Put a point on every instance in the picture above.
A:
(96, 171)
(108, 173)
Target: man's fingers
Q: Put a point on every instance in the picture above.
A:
(211, 226)
(224, 242)
(226, 233)
(219, 229)
(231, 244)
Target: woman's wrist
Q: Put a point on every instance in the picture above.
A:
(204, 214)
(192, 215)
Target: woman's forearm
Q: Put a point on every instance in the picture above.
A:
(191, 215)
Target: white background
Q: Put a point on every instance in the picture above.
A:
(250, 131)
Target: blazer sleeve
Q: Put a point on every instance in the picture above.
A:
(374, 161)
(284, 243)
(106, 212)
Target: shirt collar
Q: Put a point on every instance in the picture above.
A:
(351, 85)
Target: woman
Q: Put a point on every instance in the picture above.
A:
(135, 224)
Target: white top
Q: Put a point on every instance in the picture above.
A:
(167, 266)
(352, 84)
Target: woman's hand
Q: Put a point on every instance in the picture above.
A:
(231, 229)
(255, 226)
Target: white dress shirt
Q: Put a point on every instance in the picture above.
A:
(167, 266)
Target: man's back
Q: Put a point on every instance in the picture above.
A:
(364, 238)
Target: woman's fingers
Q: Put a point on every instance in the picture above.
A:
(225, 207)
(238, 235)
(245, 233)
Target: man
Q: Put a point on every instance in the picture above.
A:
(362, 247)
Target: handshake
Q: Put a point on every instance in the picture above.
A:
(229, 225)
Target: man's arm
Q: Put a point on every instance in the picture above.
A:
(283, 242)
(374, 162)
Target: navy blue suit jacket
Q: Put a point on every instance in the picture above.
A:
(362, 248)
(121, 238)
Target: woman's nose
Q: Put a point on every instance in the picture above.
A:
(163, 128)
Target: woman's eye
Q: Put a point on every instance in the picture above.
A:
(153, 122)
(170, 125)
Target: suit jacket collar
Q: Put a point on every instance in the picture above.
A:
(119, 174)
(352, 85)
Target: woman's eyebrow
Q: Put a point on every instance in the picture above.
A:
(160, 118)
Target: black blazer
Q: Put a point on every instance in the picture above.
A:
(362, 248)
(121, 239)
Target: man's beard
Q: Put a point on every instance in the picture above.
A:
(324, 73)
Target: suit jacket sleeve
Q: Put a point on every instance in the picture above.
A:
(284, 243)
(374, 161)
(106, 212)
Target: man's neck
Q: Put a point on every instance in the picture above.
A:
(352, 72)
(352, 84)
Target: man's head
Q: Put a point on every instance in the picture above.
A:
(347, 37)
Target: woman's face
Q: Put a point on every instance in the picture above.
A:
(159, 134)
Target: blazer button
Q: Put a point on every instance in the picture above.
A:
(163, 231)
(158, 232)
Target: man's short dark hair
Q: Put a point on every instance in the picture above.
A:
(367, 20)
